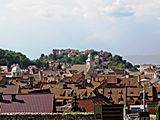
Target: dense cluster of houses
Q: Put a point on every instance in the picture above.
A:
(49, 91)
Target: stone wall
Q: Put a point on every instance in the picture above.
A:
(44, 116)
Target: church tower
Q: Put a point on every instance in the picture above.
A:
(89, 62)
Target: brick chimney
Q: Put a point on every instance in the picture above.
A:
(13, 97)
(139, 80)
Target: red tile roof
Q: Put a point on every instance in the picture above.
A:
(9, 89)
(87, 104)
(29, 103)
(108, 78)
(75, 78)
(147, 65)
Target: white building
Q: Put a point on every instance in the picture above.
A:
(145, 66)
(16, 71)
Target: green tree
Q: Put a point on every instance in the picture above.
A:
(67, 60)
(59, 67)
(106, 55)
(50, 57)
(74, 104)
(117, 58)
(116, 62)
(77, 60)
(10, 57)
(83, 57)
(128, 65)
(93, 53)
(82, 109)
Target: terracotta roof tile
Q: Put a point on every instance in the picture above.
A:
(115, 94)
(136, 91)
(87, 104)
(130, 81)
(108, 78)
(9, 89)
(79, 68)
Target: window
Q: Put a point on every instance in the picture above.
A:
(98, 116)
(110, 92)
(121, 92)
(109, 97)
(63, 93)
(120, 98)
(132, 92)
(59, 103)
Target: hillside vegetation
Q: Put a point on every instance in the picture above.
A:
(80, 57)
(8, 58)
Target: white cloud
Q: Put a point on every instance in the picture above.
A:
(85, 9)
(103, 22)
(147, 8)
(118, 9)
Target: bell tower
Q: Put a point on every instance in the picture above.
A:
(89, 62)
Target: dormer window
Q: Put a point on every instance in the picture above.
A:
(85, 94)
(121, 92)
(120, 98)
(110, 92)
(63, 93)
(1, 98)
(109, 97)
(70, 93)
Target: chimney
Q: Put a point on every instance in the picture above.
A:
(139, 80)
(40, 75)
(155, 75)
(1, 97)
(13, 97)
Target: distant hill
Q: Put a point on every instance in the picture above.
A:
(72, 56)
(143, 59)
(8, 57)
(103, 59)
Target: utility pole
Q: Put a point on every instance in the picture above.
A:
(144, 99)
(144, 83)
(125, 103)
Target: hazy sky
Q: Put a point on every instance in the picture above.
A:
(126, 27)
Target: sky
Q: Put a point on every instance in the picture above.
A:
(125, 27)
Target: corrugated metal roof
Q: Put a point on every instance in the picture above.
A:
(28, 103)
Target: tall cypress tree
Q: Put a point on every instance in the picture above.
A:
(74, 103)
